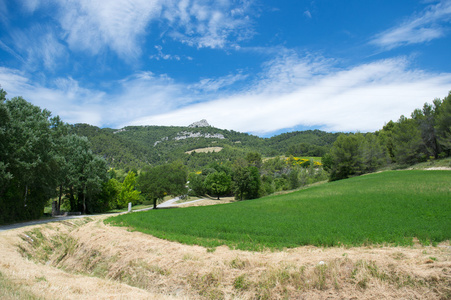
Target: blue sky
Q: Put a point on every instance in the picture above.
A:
(262, 67)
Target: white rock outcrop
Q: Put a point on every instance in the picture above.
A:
(201, 123)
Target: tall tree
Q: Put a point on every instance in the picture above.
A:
(385, 137)
(128, 193)
(246, 181)
(372, 154)
(345, 156)
(218, 183)
(443, 125)
(407, 142)
(168, 179)
(425, 119)
(86, 174)
(5, 149)
(26, 161)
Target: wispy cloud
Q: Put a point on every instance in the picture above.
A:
(430, 24)
(164, 56)
(11, 51)
(214, 84)
(94, 26)
(213, 24)
(40, 47)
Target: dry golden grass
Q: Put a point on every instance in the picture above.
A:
(207, 200)
(205, 150)
(89, 260)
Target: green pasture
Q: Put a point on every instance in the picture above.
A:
(391, 207)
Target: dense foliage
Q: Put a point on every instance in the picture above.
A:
(426, 135)
(39, 160)
(138, 146)
(390, 207)
(159, 181)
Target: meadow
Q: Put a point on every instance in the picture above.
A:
(392, 207)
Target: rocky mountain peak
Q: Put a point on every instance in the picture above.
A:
(201, 123)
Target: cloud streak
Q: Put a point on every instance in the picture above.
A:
(426, 26)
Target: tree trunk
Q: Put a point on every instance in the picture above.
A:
(25, 197)
(72, 199)
(84, 203)
(154, 203)
(58, 209)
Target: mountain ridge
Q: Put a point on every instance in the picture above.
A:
(136, 146)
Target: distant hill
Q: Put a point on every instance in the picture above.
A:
(136, 146)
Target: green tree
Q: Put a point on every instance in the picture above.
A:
(385, 137)
(407, 142)
(345, 156)
(5, 123)
(25, 169)
(293, 178)
(372, 154)
(159, 181)
(254, 159)
(196, 184)
(426, 119)
(128, 193)
(59, 131)
(218, 183)
(95, 176)
(246, 181)
(110, 193)
(443, 125)
(86, 173)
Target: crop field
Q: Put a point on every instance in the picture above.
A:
(392, 207)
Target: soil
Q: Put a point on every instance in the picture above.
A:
(97, 261)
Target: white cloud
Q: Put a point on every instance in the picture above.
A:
(121, 25)
(161, 55)
(361, 98)
(213, 25)
(317, 94)
(67, 99)
(428, 25)
(94, 24)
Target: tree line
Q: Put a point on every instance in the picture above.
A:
(41, 159)
(425, 135)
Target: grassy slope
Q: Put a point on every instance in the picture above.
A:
(389, 207)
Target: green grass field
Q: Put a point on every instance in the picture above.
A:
(391, 207)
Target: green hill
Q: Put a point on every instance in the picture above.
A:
(136, 146)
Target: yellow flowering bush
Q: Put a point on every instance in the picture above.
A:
(300, 161)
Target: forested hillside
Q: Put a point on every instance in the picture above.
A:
(137, 146)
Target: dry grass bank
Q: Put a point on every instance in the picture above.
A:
(87, 259)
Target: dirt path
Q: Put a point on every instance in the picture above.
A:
(168, 203)
(132, 265)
